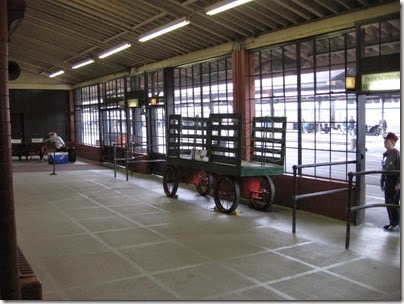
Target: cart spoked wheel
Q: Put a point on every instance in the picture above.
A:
(203, 186)
(265, 196)
(226, 194)
(170, 181)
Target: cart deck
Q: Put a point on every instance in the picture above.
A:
(246, 168)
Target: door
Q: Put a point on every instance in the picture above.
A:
(113, 132)
(17, 126)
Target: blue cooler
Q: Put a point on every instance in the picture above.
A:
(60, 158)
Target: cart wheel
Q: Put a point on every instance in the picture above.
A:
(170, 181)
(226, 194)
(205, 181)
(266, 194)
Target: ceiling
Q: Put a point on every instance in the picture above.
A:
(55, 34)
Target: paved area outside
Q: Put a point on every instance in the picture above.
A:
(90, 236)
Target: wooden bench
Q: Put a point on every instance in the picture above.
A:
(34, 147)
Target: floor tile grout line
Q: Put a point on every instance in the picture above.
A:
(159, 234)
(124, 194)
(355, 282)
(152, 230)
(257, 284)
(186, 247)
(122, 256)
(51, 278)
(179, 243)
(324, 269)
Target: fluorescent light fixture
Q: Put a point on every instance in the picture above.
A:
(57, 73)
(223, 6)
(114, 50)
(83, 63)
(164, 29)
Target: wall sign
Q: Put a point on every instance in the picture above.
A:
(381, 82)
(350, 83)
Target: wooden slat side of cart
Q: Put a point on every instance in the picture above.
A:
(199, 148)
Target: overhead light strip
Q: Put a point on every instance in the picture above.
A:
(224, 6)
(57, 73)
(83, 63)
(164, 29)
(114, 50)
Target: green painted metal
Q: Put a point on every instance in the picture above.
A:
(214, 145)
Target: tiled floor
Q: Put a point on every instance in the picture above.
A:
(90, 236)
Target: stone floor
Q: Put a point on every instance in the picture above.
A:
(90, 236)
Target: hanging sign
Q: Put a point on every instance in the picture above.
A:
(381, 82)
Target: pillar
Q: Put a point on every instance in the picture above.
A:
(244, 95)
(9, 274)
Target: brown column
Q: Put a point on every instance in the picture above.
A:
(243, 95)
(9, 274)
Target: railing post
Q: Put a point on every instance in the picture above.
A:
(348, 216)
(114, 154)
(294, 198)
(126, 160)
(54, 161)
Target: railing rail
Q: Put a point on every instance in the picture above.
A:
(353, 209)
(130, 159)
(297, 197)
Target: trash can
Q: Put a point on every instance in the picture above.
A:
(72, 154)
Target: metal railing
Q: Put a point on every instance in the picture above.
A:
(297, 197)
(130, 158)
(353, 209)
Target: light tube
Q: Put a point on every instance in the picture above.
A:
(223, 6)
(57, 73)
(114, 50)
(164, 29)
(83, 63)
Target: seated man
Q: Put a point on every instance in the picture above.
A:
(55, 140)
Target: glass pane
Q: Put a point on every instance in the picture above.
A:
(337, 50)
(370, 40)
(290, 57)
(322, 53)
(351, 46)
(277, 60)
(390, 37)
(306, 55)
(323, 80)
(307, 82)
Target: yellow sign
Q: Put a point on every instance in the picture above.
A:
(153, 101)
(350, 82)
(133, 103)
(381, 82)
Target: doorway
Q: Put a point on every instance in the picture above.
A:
(17, 126)
(382, 112)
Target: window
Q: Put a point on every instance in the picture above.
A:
(380, 38)
(87, 116)
(204, 88)
(113, 115)
(305, 81)
(137, 116)
(157, 112)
